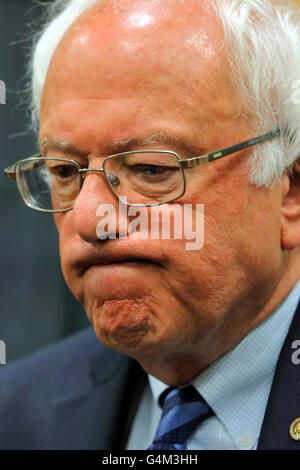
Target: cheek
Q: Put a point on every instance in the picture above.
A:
(196, 276)
(241, 238)
(69, 243)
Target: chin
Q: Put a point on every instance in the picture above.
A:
(123, 325)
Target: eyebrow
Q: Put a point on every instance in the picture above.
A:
(180, 143)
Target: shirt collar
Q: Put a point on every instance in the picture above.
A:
(237, 385)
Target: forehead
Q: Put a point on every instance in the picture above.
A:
(141, 39)
(168, 54)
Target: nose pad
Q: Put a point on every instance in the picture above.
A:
(113, 179)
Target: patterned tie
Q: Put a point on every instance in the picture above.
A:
(183, 410)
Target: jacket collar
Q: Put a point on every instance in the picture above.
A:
(284, 401)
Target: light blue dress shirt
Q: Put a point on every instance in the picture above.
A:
(236, 387)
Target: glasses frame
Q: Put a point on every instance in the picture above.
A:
(184, 164)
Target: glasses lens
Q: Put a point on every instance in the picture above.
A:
(145, 178)
(48, 184)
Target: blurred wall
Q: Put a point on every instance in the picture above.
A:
(36, 305)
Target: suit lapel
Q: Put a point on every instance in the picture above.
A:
(97, 414)
(284, 401)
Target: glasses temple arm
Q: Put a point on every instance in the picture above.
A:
(212, 156)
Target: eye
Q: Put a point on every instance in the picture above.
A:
(63, 171)
(153, 173)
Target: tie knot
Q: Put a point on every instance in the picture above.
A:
(172, 397)
(183, 409)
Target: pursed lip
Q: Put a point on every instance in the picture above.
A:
(106, 256)
(123, 262)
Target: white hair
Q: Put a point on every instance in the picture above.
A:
(262, 40)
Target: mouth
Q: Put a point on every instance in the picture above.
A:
(130, 262)
(113, 258)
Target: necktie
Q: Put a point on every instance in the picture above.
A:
(183, 410)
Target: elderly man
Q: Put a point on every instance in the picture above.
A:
(151, 104)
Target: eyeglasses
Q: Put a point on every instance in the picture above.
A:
(137, 178)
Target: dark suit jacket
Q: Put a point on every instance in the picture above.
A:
(78, 394)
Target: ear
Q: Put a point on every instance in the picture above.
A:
(290, 218)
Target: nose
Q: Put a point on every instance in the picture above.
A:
(94, 193)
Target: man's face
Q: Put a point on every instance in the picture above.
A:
(151, 68)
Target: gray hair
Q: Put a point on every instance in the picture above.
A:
(262, 40)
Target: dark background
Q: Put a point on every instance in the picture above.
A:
(36, 305)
